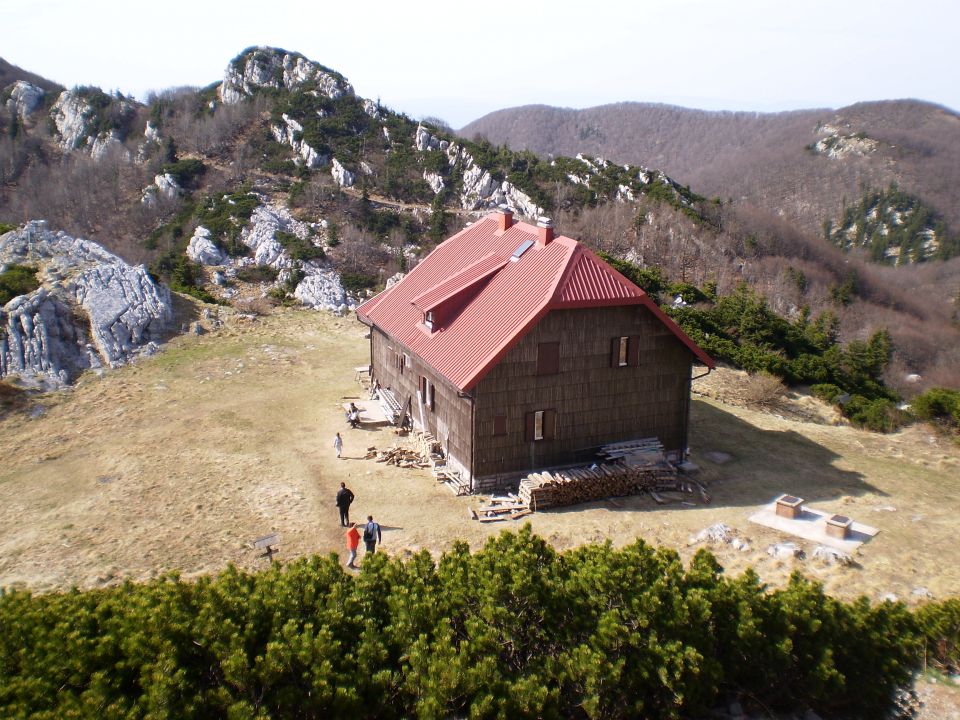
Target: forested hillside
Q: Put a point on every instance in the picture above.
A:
(280, 175)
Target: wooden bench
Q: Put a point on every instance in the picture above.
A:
(267, 543)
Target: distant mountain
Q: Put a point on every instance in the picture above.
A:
(11, 73)
(805, 165)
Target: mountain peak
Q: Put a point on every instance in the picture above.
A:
(258, 68)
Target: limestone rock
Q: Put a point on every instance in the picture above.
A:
(108, 145)
(342, 176)
(371, 108)
(323, 290)
(291, 133)
(435, 181)
(394, 279)
(91, 309)
(260, 235)
(203, 250)
(164, 186)
(70, 114)
(25, 98)
(269, 67)
(831, 556)
(786, 550)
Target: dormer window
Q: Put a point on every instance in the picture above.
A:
(428, 320)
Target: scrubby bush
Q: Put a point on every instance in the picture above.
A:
(297, 247)
(939, 405)
(939, 625)
(357, 282)
(257, 273)
(185, 172)
(17, 280)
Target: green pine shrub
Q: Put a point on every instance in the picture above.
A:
(516, 629)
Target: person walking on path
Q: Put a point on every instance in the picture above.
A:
(338, 445)
(353, 542)
(344, 498)
(371, 535)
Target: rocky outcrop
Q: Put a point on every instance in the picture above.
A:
(70, 114)
(76, 121)
(260, 235)
(201, 249)
(319, 286)
(265, 67)
(479, 188)
(108, 145)
(92, 308)
(291, 133)
(25, 98)
(342, 176)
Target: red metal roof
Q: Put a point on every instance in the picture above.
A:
(492, 300)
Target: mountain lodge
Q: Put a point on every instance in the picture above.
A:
(519, 350)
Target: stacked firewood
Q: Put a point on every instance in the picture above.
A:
(632, 467)
(400, 456)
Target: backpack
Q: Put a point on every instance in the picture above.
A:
(367, 535)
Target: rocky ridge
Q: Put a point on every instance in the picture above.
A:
(479, 189)
(91, 310)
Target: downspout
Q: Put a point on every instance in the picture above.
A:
(473, 437)
(686, 421)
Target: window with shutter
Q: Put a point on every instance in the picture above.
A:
(540, 425)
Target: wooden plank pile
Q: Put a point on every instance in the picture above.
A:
(631, 468)
(500, 508)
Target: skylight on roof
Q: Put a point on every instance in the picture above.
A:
(523, 247)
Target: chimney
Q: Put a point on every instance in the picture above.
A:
(544, 231)
(505, 219)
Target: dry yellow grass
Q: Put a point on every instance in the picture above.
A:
(179, 461)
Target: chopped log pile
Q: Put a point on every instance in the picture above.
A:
(627, 468)
(399, 456)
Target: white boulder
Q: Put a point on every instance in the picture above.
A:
(201, 249)
(342, 176)
(323, 290)
(25, 98)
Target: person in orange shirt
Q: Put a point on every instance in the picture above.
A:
(353, 542)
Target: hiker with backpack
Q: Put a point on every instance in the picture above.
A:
(371, 535)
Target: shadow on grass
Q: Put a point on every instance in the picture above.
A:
(763, 464)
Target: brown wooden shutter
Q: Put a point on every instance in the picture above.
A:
(549, 424)
(529, 421)
(548, 358)
(433, 397)
(633, 351)
(615, 352)
(499, 424)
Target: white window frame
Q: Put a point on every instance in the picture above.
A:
(623, 354)
(538, 425)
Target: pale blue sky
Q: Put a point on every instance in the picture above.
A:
(460, 61)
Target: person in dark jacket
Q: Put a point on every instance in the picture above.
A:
(344, 498)
(371, 535)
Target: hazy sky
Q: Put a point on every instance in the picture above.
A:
(458, 61)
